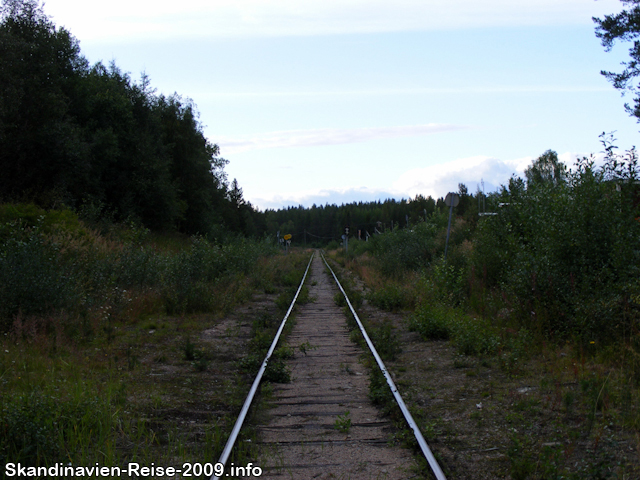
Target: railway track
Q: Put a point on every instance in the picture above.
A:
(322, 424)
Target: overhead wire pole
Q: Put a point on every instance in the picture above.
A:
(450, 201)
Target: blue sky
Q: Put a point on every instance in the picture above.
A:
(334, 101)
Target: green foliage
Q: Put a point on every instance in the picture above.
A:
(15, 218)
(285, 352)
(90, 138)
(404, 249)
(522, 465)
(332, 245)
(563, 252)
(386, 341)
(448, 283)
(379, 391)
(391, 297)
(623, 26)
(39, 430)
(189, 349)
(475, 337)
(263, 332)
(432, 322)
(355, 295)
(28, 433)
(277, 371)
(304, 347)
(359, 247)
(343, 422)
(69, 271)
(34, 279)
(470, 335)
(546, 170)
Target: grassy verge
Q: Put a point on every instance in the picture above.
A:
(142, 357)
(494, 399)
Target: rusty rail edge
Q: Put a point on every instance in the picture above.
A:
(433, 463)
(254, 388)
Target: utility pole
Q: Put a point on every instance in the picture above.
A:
(452, 200)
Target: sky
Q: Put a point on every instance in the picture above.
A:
(332, 101)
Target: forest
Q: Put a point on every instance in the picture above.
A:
(89, 138)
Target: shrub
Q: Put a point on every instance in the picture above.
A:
(34, 279)
(28, 216)
(39, 430)
(386, 341)
(379, 391)
(277, 371)
(28, 433)
(448, 282)
(564, 250)
(391, 297)
(471, 336)
(332, 245)
(432, 323)
(46, 268)
(474, 337)
(404, 249)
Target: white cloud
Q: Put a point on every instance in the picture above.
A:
(325, 196)
(242, 18)
(327, 136)
(435, 181)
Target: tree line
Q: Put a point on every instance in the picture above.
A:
(90, 138)
(321, 224)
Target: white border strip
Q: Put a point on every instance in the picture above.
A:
(407, 415)
(247, 403)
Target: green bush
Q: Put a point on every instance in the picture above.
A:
(404, 249)
(379, 391)
(38, 430)
(448, 282)
(34, 279)
(359, 247)
(471, 336)
(27, 431)
(277, 371)
(28, 216)
(386, 341)
(391, 297)
(564, 249)
(475, 337)
(45, 270)
(355, 295)
(332, 245)
(432, 323)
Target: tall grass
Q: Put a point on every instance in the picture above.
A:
(67, 293)
(53, 269)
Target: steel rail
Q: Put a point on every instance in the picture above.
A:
(254, 388)
(433, 463)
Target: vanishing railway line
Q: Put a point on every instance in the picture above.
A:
(322, 423)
